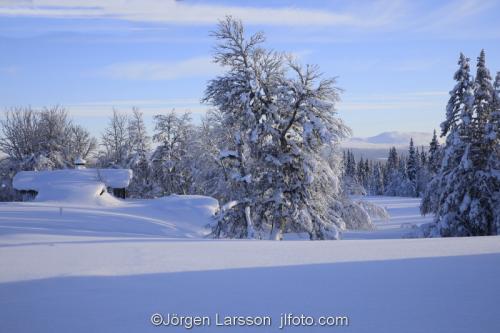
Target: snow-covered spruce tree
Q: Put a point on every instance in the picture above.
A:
(351, 183)
(459, 105)
(282, 116)
(493, 137)
(391, 166)
(466, 188)
(362, 172)
(376, 182)
(171, 158)
(397, 181)
(393, 176)
(479, 203)
(434, 160)
(423, 174)
(430, 190)
(412, 167)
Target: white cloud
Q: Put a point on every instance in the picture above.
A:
(170, 70)
(149, 107)
(442, 18)
(419, 100)
(170, 11)
(453, 13)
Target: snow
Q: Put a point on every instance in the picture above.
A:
(36, 180)
(68, 267)
(404, 215)
(83, 186)
(387, 140)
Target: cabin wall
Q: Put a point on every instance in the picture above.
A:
(120, 192)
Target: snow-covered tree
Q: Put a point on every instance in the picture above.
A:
(480, 201)
(81, 143)
(412, 166)
(171, 158)
(423, 174)
(43, 139)
(493, 137)
(392, 177)
(392, 163)
(434, 160)
(139, 140)
(459, 105)
(362, 172)
(465, 189)
(141, 184)
(210, 175)
(353, 175)
(115, 142)
(376, 181)
(20, 136)
(39, 140)
(282, 117)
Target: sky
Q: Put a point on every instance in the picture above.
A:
(394, 59)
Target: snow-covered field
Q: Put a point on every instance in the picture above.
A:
(77, 268)
(404, 217)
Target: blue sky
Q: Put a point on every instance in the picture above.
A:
(394, 59)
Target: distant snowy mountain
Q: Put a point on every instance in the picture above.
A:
(389, 139)
(376, 147)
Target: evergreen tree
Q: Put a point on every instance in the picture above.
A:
(392, 177)
(434, 162)
(465, 188)
(493, 137)
(360, 172)
(412, 165)
(376, 186)
(423, 157)
(480, 203)
(351, 165)
(459, 105)
(393, 159)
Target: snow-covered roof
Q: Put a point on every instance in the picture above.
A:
(37, 180)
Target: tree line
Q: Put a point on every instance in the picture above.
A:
(267, 150)
(459, 182)
(404, 175)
